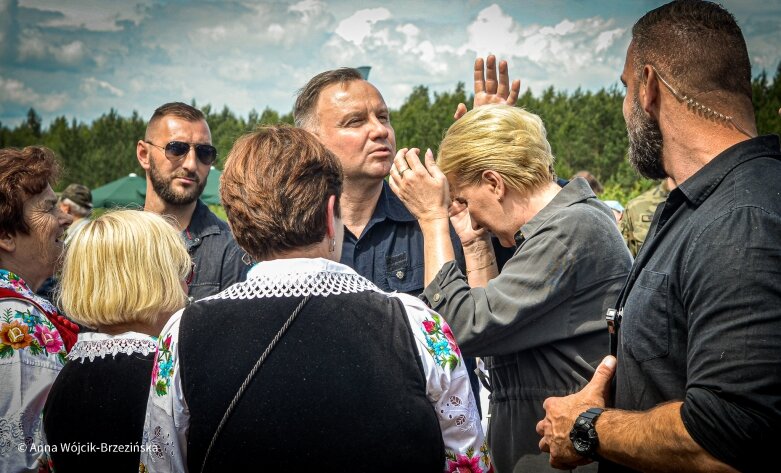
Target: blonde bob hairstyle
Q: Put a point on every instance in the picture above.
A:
(125, 266)
(507, 140)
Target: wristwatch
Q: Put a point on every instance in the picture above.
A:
(584, 433)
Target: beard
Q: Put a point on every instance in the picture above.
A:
(645, 143)
(163, 187)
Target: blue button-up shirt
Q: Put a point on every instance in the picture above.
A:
(389, 252)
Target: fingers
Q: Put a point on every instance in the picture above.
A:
(491, 84)
(515, 90)
(541, 427)
(479, 76)
(431, 165)
(503, 88)
(599, 385)
(460, 111)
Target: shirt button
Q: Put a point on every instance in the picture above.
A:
(400, 274)
(437, 297)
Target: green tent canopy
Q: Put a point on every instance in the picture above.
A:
(211, 193)
(128, 191)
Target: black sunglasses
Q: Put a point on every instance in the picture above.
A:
(176, 150)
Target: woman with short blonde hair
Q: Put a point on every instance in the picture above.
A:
(126, 267)
(123, 275)
(508, 140)
(539, 324)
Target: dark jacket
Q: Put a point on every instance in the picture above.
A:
(540, 323)
(217, 256)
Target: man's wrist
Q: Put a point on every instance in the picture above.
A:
(584, 436)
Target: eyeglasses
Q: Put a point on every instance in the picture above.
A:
(176, 150)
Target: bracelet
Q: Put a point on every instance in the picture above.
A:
(493, 260)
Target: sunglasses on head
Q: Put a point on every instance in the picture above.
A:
(176, 150)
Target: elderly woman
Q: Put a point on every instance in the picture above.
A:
(540, 322)
(123, 275)
(33, 336)
(306, 366)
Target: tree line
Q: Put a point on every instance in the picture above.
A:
(586, 130)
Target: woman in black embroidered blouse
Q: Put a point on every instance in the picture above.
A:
(123, 275)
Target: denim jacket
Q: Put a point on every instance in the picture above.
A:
(217, 256)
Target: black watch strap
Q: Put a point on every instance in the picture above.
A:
(586, 421)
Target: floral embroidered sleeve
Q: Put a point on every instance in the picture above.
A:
(167, 415)
(31, 355)
(448, 389)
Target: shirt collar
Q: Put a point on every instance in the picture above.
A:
(389, 206)
(201, 224)
(12, 281)
(577, 190)
(702, 184)
(297, 266)
(98, 336)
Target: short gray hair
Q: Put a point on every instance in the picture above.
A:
(306, 100)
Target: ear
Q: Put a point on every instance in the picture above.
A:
(330, 218)
(649, 91)
(142, 154)
(495, 183)
(7, 243)
(64, 208)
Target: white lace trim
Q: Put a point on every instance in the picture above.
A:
(101, 347)
(321, 283)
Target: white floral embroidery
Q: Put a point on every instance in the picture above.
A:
(162, 445)
(12, 432)
(95, 345)
(464, 415)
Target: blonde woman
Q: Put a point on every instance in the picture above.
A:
(124, 274)
(540, 323)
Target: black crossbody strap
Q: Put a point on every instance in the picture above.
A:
(253, 371)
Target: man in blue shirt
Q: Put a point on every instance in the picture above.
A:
(382, 240)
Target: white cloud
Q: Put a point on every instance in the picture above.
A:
(358, 26)
(91, 85)
(91, 15)
(14, 91)
(568, 46)
(33, 46)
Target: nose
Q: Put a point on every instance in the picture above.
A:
(379, 130)
(190, 161)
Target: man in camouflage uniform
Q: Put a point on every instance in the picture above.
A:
(639, 213)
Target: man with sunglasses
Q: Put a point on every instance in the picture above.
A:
(177, 154)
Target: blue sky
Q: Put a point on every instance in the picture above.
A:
(79, 58)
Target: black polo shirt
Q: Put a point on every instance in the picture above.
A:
(702, 307)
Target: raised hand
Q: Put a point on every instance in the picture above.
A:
(422, 189)
(488, 89)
